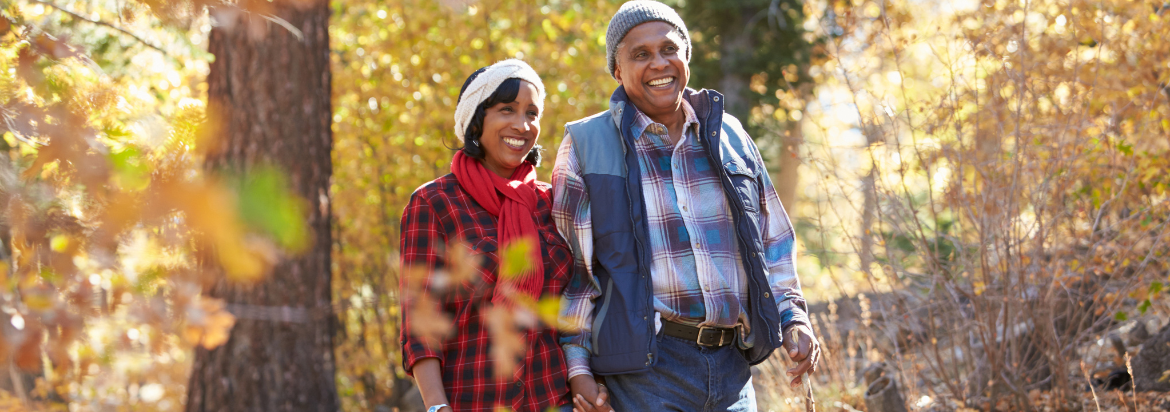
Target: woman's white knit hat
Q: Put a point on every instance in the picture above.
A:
(486, 83)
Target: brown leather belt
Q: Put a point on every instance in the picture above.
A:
(703, 336)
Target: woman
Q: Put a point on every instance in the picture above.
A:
(490, 200)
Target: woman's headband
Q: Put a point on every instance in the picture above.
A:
(487, 82)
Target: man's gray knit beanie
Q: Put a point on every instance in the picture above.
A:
(634, 13)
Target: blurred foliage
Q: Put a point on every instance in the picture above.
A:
(1008, 158)
(111, 226)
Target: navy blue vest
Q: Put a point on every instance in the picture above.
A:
(623, 325)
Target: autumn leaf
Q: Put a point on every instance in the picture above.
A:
(462, 263)
(516, 258)
(507, 345)
(208, 323)
(428, 322)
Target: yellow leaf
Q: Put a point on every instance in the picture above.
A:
(548, 310)
(211, 212)
(59, 243)
(516, 260)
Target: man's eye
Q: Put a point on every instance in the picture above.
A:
(671, 49)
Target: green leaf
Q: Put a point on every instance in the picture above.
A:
(1144, 306)
(1121, 316)
(130, 169)
(267, 204)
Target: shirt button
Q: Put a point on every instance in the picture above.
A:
(767, 295)
(753, 254)
(716, 98)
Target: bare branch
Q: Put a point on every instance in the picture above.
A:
(100, 23)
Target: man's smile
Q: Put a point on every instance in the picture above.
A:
(665, 81)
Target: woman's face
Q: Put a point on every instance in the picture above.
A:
(510, 130)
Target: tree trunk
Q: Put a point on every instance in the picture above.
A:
(269, 96)
(735, 85)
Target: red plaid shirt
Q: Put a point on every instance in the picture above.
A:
(440, 212)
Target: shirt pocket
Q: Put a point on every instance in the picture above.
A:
(479, 285)
(746, 184)
(485, 250)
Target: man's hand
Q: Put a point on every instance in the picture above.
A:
(589, 395)
(802, 347)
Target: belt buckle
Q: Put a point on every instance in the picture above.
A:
(699, 338)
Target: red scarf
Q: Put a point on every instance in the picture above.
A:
(513, 202)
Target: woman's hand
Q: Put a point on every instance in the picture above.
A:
(589, 395)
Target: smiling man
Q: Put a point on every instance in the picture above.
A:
(684, 270)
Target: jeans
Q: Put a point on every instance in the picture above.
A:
(687, 378)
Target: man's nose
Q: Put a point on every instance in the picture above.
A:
(659, 61)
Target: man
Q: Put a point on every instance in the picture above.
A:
(684, 272)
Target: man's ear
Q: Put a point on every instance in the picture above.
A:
(617, 73)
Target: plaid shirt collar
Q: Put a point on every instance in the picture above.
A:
(643, 123)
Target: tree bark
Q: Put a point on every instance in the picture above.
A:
(735, 85)
(269, 98)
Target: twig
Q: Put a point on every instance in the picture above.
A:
(17, 383)
(810, 403)
(1091, 388)
(287, 26)
(100, 23)
(1132, 378)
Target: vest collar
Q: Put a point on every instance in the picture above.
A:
(705, 103)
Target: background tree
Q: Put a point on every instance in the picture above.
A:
(758, 54)
(269, 99)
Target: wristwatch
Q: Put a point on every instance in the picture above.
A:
(437, 407)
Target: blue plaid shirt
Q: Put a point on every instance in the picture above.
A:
(696, 267)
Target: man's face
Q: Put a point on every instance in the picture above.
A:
(652, 67)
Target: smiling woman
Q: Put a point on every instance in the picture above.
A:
(502, 133)
(491, 201)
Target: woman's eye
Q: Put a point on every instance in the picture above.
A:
(506, 109)
(534, 114)
(671, 49)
